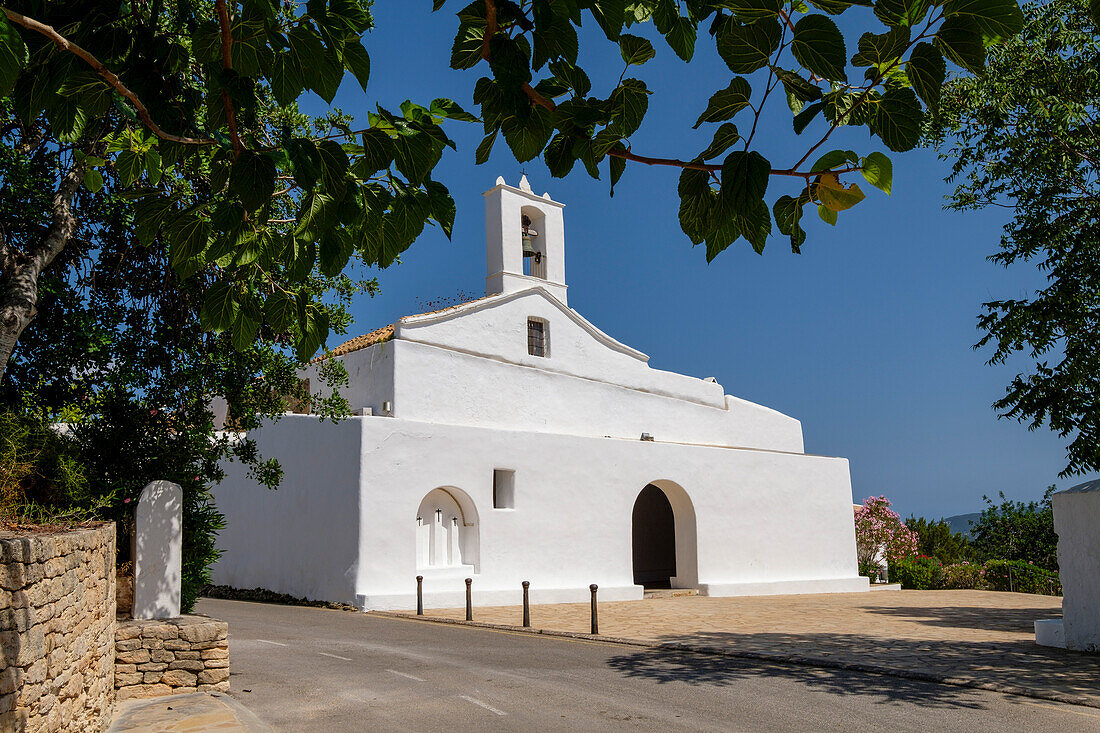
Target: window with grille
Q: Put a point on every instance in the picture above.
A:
(536, 337)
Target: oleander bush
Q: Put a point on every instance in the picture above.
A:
(963, 576)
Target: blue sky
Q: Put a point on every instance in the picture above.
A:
(865, 337)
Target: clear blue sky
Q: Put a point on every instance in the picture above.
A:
(865, 337)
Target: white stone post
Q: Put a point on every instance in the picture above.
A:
(158, 551)
(1077, 522)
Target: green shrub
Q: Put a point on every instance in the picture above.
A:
(963, 576)
(1021, 577)
(916, 573)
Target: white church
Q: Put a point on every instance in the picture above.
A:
(509, 439)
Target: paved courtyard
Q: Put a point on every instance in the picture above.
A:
(974, 637)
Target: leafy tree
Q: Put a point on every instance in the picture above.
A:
(1025, 136)
(206, 90)
(1015, 530)
(134, 89)
(118, 351)
(936, 539)
(540, 99)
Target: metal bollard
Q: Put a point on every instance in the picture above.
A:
(595, 617)
(420, 595)
(469, 600)
(526, 604)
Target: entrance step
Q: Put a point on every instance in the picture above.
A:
(670, 592)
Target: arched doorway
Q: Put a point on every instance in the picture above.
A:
(654, 539)
(446, 530)
(665, 553)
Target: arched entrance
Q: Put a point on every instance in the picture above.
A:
(663, 537)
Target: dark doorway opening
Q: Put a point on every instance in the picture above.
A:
(654, 539)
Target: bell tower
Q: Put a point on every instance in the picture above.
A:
(524, 240)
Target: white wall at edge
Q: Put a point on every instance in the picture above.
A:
(1076, 520)
(765, 522)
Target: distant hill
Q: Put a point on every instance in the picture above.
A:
(961, 522)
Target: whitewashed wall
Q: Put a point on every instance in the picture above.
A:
(765, 522)
(1077, 522)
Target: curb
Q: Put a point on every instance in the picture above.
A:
(797, 659)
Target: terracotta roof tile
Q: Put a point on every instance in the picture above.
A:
(380, 335)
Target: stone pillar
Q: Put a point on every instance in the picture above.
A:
(158, 551)
(1077, 522)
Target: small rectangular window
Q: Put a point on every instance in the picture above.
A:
(504, 488)
(536, 337)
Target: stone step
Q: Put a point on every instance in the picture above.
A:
(670, 592)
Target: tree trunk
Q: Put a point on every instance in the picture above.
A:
(19, 270)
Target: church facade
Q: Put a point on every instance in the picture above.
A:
(509, 439)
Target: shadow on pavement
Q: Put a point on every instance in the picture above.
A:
(964, 617)
(1021, 665)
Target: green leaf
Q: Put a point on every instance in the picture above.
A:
(832, 159)
(995, 19)
(441, 205)
(880, 49)
(744, 180)
(681, 37)
(252, 179)
(960, 40)
(926, 71)
(618, 167)
(803, 118)
(559, 156)
(466, 50)
(573, 76)
(442, 107)
(153, 166)
(897, 119)
(280, 311)
(188, 236)
(755, 223)
(330, 72)
(609, 14)
(796, 86)
(219, 308)
(528, 137)
(788, 219)
(378, 152)
(13, 55)
(305, 162)
(93, 180)
(827, 215)
(415, 156)
(901, 12)
(334, 166)
(879, 172)
(835, 195)
(334, 250)
(746, 48)
(727, 102)
(628, 105)
(286, 78)
(819, 46)
(724, 138)
(635, 50)
(750, 11)
(357, 61)
(129, 164)
(484, 148)
(244, 330)
(557, 41)
(697, 204)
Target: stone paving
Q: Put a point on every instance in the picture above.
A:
(187, 713)
(977, 638)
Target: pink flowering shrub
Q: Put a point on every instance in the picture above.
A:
(881, 536)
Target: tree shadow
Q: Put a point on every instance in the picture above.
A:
(1023, 666)
(965, 617)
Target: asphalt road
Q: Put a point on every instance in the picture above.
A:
(307, 669)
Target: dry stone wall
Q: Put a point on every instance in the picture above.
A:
(57, 624)
(170, 656)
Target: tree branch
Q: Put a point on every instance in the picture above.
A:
(227, 63)
(109, 76)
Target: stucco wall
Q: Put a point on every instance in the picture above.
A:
(57, 616)
(1077, 522)
(748, 521)
(301, 538)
